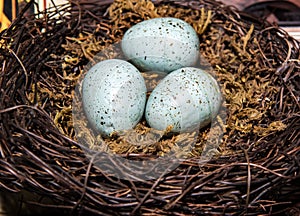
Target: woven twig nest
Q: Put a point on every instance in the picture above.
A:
(254, 170)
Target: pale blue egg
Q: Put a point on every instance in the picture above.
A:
(113, 96)
(186, 99)
(161, 44)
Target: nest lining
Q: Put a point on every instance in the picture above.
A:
(248, 97)
(257, 66)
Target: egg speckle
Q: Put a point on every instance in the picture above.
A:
(161, 44)
(113, 96)
(186, 99)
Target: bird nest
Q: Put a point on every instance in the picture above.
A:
(252, 160)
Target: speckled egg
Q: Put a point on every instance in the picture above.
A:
(187, 99)
(161, 44)
(113, 96)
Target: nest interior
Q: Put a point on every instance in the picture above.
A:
(256, 167)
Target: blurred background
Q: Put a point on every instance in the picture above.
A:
(10, 8)
(285, 13)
